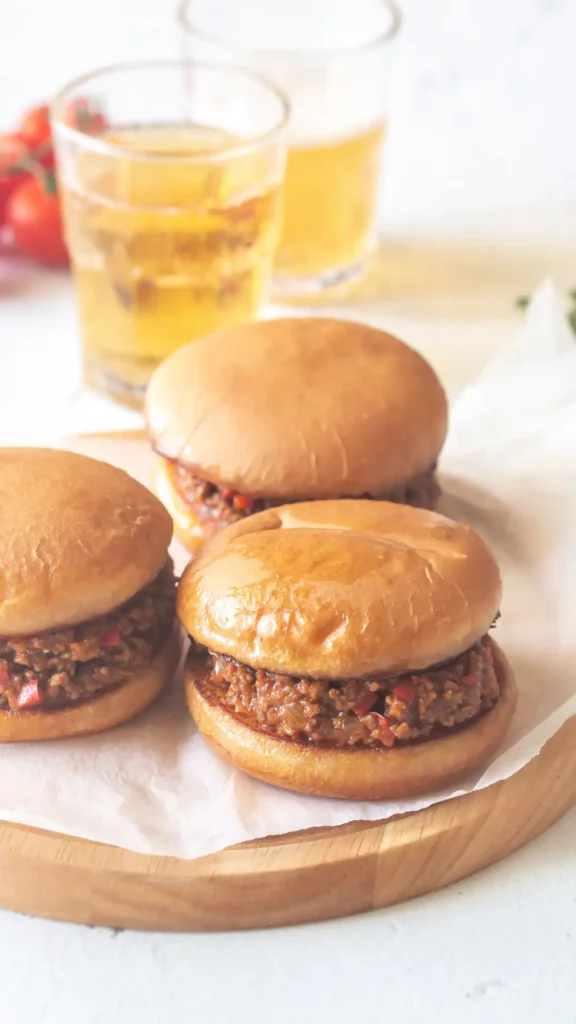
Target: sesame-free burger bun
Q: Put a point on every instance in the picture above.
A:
(78, 538)
(102, 711)
(341, 589)
(190, 530)
(299, 408)
(355, 773)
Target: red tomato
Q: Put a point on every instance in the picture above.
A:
(36, 131)
(84, 115)
(12, 151)
(33, 213)
(35, 127)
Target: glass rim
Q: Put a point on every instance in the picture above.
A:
(99, 145)
(294, 55)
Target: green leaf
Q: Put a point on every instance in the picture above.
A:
(523, 300)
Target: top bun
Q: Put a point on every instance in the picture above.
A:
(77, 538)
(299, 408)
(341, 589)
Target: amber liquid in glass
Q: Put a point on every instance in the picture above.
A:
(165, 251)
(330, 200)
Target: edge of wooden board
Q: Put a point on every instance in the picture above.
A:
(297, 878)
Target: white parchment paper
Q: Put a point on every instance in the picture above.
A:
(509, 469)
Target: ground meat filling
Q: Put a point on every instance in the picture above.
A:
(352, 712)
(221, 506)
(66, 666)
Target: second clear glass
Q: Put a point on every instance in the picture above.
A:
(333, 62)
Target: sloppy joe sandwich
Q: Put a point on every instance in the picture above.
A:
(262, 414)
(87, 624)
(342, 648)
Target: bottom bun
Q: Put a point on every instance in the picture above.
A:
(188, 528)
(353, 773)
(111, 707)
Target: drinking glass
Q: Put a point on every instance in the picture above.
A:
(332, 60)
(171, 180)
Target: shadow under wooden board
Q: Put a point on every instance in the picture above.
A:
(290, 879)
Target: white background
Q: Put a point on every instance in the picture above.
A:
(480, 203)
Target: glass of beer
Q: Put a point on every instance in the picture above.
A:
(171, 178)
(332, 61)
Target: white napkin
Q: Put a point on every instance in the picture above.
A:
(509, 469)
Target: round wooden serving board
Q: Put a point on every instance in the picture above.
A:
(289, 879)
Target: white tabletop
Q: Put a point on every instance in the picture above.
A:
(481, 170)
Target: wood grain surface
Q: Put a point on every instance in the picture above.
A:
(306, 876)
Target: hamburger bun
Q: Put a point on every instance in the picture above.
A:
(299, 408)
(355, 773)
(78, 538)
(341, 589)
(100, 712)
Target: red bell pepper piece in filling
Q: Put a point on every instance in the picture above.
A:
(112, 637)
(405, 691)
(30, 694)
(385, 734)
(365, 704)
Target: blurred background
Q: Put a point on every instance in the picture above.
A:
(479, 178)
(483, 104)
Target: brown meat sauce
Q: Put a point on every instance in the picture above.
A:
(353, 712)
(64, 666)
(221, 506)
